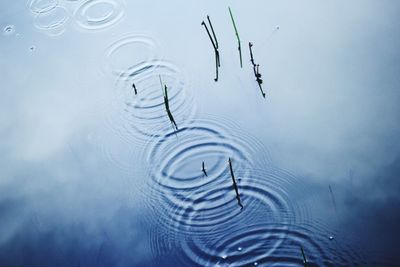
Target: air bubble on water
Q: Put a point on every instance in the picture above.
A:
(239, 248)
(330, 237)
(255, 264)
(9, 29)
(224, 257)
(277, 27)
(32, 48)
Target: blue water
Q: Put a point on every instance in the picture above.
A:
(94, 174)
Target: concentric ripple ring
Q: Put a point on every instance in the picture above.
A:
(105, 14)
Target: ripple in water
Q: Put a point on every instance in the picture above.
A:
(136, 118)
(264, 244)
(132, 55)
(99, 14)
(42, 6)
(193, 202)
(53, 22)
(268, 232)
(175, 159)
(223, 233)
(319, 250)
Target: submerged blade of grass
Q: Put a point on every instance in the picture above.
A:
(237, 36)
(172, 120)
(166, 103)
(166, 98)
(304, 256)
(333, 199)
(234, 184)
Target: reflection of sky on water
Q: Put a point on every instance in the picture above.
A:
(73, 179)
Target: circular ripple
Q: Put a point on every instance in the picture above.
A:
(190, 198)
(265, 196)
(244, 245)
(194, 202)
(132, 55)
(42, 6)
(53, 21)
(175, 159)
(215, 230)
(265, 244)
(216, 208)
(136, 118)
(99, 14)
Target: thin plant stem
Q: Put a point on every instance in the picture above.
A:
(212, 29)
(257, 74)
(214, 43)
(235, 187)
(304, 256)
(237, 36)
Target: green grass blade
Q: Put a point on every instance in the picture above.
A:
(237, 36)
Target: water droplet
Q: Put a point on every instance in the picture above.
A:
(224, 257)
(277, 27)
(9, 29)
(240, 248)
(32, 48)
(330, 237)
(256, 263)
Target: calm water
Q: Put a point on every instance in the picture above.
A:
(92, 174)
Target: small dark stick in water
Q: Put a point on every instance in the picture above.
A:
(235, 185)
(256, 70)
(203, 168)
(134, 88)
(304, 256)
